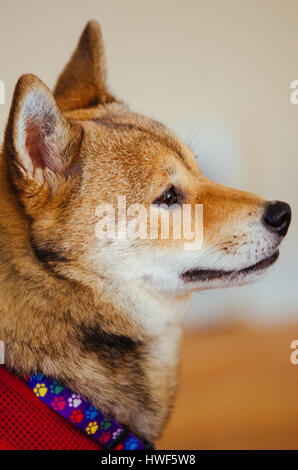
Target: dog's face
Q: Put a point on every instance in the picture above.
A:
(70, 153)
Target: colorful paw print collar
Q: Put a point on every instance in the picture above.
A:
(98, 426)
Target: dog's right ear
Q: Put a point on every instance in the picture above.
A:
(82, 83)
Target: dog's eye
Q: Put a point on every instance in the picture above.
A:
(169, 197)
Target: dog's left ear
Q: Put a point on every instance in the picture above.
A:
(82, 83)
(41, 146)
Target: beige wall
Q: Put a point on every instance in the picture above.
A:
(221, 69)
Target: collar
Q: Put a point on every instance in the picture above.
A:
(94, 423)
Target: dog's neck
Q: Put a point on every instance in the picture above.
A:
(117, 347)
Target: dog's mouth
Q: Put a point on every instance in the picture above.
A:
(195, 275)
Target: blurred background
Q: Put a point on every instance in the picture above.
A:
(219, 74)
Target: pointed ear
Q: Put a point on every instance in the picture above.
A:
(83, 81)
(40, 144)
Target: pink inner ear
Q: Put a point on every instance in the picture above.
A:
(38, 149)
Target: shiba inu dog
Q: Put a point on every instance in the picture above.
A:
(103, 316)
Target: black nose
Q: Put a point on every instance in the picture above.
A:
(278, 216)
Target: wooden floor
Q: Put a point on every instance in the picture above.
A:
(238, 390)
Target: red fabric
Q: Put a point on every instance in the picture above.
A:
(27, 423)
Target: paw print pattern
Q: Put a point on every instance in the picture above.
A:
(92, 427)
(40, 390)
(37, 377)
(131, 444)
(56, 388)
(116, 433)
(106, 424)
(58, 403)
(100, 427)
(91, 413)
(119, 447)
(76, 416)
(74, 401)
(105, 437)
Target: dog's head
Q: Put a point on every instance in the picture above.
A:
(71, 152)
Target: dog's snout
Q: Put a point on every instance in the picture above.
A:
(278, 217)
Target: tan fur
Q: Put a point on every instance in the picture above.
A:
(104, 317)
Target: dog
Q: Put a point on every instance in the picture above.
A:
(103, 316)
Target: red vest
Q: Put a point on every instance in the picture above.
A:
(27, 423)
